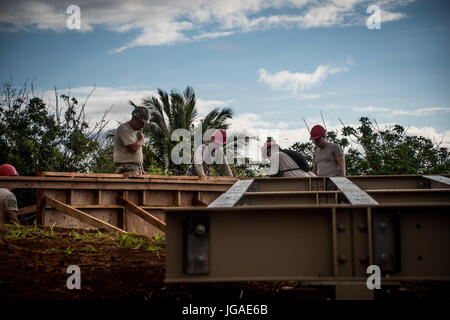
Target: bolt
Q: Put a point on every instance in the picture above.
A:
(200, 229)
(364, 260)
(342, 259)
(383, 256)
(341, 227)
(201, 259)
(382, 225)
(362, 227)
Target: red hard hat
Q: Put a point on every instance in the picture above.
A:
(317, 131)
(266, 146)
(8, 170)
(219, 136)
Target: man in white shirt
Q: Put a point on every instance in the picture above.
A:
(8, 201)
(128, 143)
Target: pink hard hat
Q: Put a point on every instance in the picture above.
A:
(8, 170)
(219, 136)
(317, 131)
(267, 146)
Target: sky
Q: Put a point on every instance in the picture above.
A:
(277, 64)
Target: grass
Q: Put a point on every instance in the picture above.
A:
(134, 241)
(16, 232)
(131, 240)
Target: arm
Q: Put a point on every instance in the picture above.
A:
(10, 206)
(341, 164)
(314, 170)
(137, 145)
(12, 216)
(198, 161)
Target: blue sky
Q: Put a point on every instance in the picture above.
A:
(274, 63)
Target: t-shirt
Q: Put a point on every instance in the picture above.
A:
(325, 159)
(125, 135)
(286, 163)
(8, 201)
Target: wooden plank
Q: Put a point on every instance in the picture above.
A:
(27, 210)
(439, 179)
(352, 192)
(58, 183)
(80, 215)
(142, 214)
(232, 196)
(198, 203)
(40, 207)
(121, 176)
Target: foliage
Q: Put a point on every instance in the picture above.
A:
(35, 137)
(40, 140)
(383, 152)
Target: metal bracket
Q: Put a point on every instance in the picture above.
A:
(196, 245)
(386, 242)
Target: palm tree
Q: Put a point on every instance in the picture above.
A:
(169, 112)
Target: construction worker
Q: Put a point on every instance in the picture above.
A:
(128, 143)
(328, 158)
(285, 163)
(8, 201)
(207, 154)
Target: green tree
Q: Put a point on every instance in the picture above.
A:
(35, 139)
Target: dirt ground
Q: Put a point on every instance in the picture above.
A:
(33, 265)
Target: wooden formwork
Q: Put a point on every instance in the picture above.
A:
(114, 201)
(316, 229)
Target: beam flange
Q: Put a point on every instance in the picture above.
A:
(232, 196)
(352, 192)
(439, 179)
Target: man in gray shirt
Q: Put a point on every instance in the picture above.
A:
(328, 158)
(128, 143)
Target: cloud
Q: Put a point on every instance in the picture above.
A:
(429, 132)
(389, 112)
(297, 81)
(103, 98)
(176, 21)
(213, 35)
(418, 112)
(205, 106)
(370, 109)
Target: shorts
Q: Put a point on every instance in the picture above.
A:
(128, 168)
